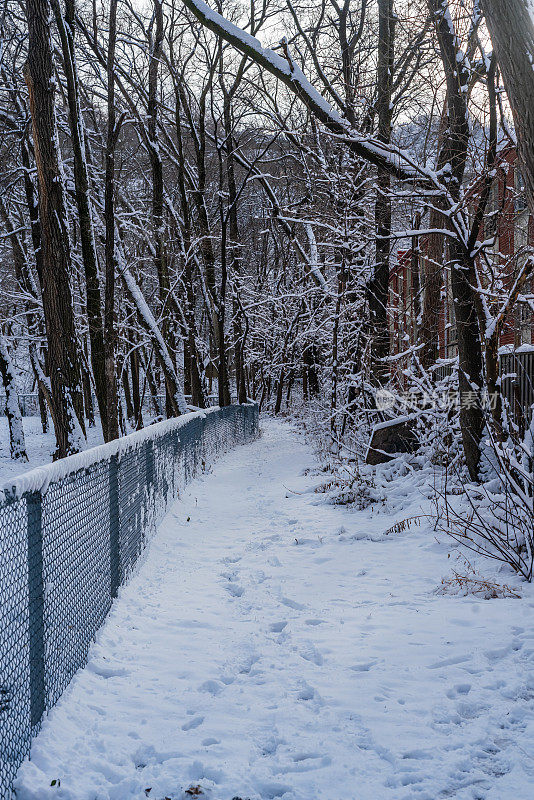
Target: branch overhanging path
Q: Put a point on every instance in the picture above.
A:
(395, 160)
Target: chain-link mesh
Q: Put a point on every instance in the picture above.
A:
(64, 551)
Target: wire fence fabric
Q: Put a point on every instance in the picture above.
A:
(67, 542)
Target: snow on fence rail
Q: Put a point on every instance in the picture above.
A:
(70, 534)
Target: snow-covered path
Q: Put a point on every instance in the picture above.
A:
(271, 645)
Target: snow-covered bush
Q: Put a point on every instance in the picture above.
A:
(496, 517)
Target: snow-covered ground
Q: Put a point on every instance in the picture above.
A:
(39, 446)
(272, 645)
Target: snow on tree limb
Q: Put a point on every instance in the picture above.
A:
(146, 318)
(392, 159)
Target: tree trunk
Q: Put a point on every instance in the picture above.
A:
(110, 328)
(83, 204)
(197, 390)
(222, 363)
(435, 257)
(158, 222)
(511, 27)
(454, 153)
(136, 393)
(235, 240)
(56, 263)
(279, 392)
(378, 288)
(17, 444)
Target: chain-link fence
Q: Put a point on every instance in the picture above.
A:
(70, 534)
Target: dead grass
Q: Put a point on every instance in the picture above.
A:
(405, 524)
(472, 584)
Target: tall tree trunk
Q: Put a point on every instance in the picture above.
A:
(463, 278)
(110, 332)
(222, 363)
(435, 256)
(235, 240)
(279, 391)
(415, 268)
(379, 285)
(197, 390)
(56, 263)
(511, 27)
(158, 222)
(66, 27)
(17, 444)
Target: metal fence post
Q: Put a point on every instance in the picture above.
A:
(114, 526)
(36, 607)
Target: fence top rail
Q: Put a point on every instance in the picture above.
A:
(40, 478)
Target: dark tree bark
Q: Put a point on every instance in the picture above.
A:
(435, 255)
(379, 285)
(56, 263)
(222, 363)
(279, 391)
(66, 29)
(127, 394)
(110, 338)
(137, 400)
(415, 265)
(511, 28)
(235, 238)
(158, 220)
(192, 362)
(463, 278)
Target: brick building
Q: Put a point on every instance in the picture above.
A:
(507, 219)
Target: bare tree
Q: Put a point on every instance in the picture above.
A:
(56, 263)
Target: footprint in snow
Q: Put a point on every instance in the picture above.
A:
(292, 604)
(211, 687)
(310, 653)
(467, 710)
(458, 689)
(230, 559)
(192, 724)
(107, 670)
(308, 693)
(449, 662)
(235, 589)
(277, 627)
(364, 666)
(246, 666)
(502, 652)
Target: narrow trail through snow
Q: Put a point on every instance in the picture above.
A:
(271, 645)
